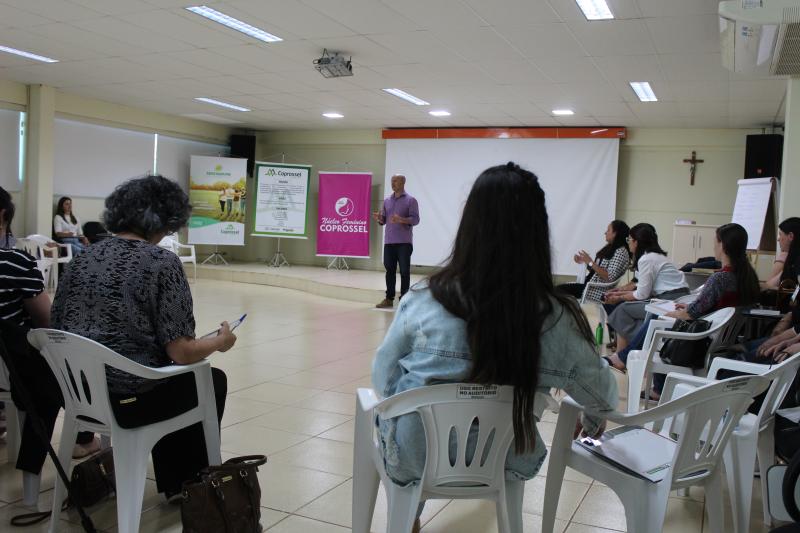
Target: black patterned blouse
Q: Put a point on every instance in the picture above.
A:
(131, 296)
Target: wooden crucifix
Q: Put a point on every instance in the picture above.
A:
(693, 161)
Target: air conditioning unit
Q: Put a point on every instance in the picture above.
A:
(760, 36)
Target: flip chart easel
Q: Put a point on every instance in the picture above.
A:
(756, 210)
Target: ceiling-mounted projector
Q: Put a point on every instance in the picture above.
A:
(333, 65)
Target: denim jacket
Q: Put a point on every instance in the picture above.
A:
(426, 345)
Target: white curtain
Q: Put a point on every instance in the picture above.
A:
(579, 177)
(9, 150)
(174, 156)
(91, 160)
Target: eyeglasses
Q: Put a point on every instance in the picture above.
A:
(628, 239)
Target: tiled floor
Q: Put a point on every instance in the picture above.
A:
(292, 377)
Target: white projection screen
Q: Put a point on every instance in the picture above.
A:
(579, 177)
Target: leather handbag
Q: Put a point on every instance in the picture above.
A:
(684, 352)
(93, 479)
(225, 499)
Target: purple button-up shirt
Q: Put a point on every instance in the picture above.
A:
(405, 206)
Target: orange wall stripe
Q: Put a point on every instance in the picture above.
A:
(599, 132)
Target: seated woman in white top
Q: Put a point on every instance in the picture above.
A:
(656, 277)
(67, 226)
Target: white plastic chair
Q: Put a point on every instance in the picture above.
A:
(710, 414)
(642, 364)
(80, 366)
(443, 409)
(753, 438)
(49, 244)
(44, 262)
(171, 243)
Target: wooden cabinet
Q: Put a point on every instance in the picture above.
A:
(692, 241)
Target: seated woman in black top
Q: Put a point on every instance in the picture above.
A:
(132, 296)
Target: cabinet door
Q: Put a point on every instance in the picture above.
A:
(684, 241)
(706, 238)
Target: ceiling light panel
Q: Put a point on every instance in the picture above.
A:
(643, 91)
(407, 97)
(333, 115)
(595, 9)
(234, 24)
(563, 112)
(221, 104)
(439, 113)
(27, 55)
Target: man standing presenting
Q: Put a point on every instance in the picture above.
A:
(400, 213)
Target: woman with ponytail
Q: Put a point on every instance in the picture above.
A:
(492, 315)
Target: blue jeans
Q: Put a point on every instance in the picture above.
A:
(392, 255)
(75, 243)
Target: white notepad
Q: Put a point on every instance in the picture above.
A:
(634, 449)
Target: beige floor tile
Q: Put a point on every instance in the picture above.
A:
(582, 528)
(303, 421)
(248, 375)
(351, 386)
(315, 379)
(287, 488)
(241, 409)
(479, 516)
(9, 511)
(572, 493)
(546, 431)
(11, 481)
(325, 455)
(248, 438)
(336, 506)
(104, 514)
(603, 508)
(686, 516)
(333, 402)
(277, 393)
(343, 433)
(295, 524)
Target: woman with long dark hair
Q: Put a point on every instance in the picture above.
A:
(787, 260)
(656, 277)
(492, 315)
(67, 226)
(609, 264)
(735, 284)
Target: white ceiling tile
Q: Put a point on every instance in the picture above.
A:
(607, 109)
(440, 14)
(568, 69)
(363, 16)
(577, 121)
(58, 10)
(630, 68)
(256, 57)
(109, 46)
(613, 37)
(698, 91)
(703, 109)
(650, 110)
(128, 33)
(510, 12)
(417, 46)
(115, 7)
(480, 44)
(621, 9)
(513, 72)
(757, 90)
(213, 61)
(30, 42)
(19, 18)
(674, 8)
(294, 17)
(696, 34)
(693, 67)
(196, 30)
(536, 40)
(166, 67)
(623, 121)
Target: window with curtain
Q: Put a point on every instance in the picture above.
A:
(91, 160)
(9, 150)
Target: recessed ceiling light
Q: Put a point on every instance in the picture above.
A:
(222, 104)
(441, 113)
(28, 55)
(595, 9)
(407, 97)
(643, 91)
(563, 112)
(234, 24)
(333, 115)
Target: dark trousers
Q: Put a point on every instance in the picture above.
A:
(394, 254)
(222, 206)
(179, 456)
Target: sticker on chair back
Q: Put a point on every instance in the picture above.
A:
(734, 384)
(477, 392)
(56, 337)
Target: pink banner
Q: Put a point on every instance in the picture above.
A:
(344, 202)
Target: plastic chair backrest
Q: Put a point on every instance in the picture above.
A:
(729, 334)
(30, 246)
(781, 376)
(168, 243)
(712, 413)
(471, 415)
(79, 364)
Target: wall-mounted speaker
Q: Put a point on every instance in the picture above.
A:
(764, 156)
(244, 146)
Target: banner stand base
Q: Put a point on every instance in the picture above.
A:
(215, 258)
(278, 260)
(338, 263)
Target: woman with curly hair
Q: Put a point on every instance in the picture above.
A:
(132, 296)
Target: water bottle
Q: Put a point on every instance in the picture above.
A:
(598, 334)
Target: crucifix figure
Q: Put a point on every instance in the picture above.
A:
(693, 161)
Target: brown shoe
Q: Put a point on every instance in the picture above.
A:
(386, 303)
(416, 527)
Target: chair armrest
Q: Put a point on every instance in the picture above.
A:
(722, 363)
(367, 399)
(187, 246)
(146, 372)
